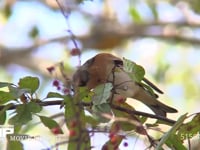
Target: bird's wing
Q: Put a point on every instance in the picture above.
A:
(153, 86)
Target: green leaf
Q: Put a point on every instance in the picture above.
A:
(5, 97)
(153, 8)
(102, 93)
(34, 107)
(136, 72)
(90, 120)
(5, 84)
(135, 15)
(54, 95)
(2, 117)
(195, 4)
(50, 123)
(7, 11)
(174, 142)
(85, 95)
(17, 92)
(14, 145)
(100, 110)
(172, 131)
(34, 32)
(23, 115)
(190, 129)
(3, 113)
(29, 82)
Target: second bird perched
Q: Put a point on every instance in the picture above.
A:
(107, 68)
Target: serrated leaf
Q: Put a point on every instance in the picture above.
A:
(174, 142)
(14, 145)
(23, 115)
(100, 110)
(34, 107)
(190, 129)
(173, 129)
(50, 123)
(136, 72)
(29, 82)
(102, 93)
(54, 95)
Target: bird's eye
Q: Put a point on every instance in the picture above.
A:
(118, 63)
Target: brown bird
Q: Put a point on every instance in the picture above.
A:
(107, 68)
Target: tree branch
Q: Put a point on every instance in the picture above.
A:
(134, 112)
(106, 34)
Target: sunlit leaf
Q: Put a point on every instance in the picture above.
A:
(190, 129)
(29, 82)
(136, 72)
(5, 97)
(135, 15)
(174, 128)
(174, 142)
(85, 95)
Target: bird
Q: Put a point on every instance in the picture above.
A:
(107, 68)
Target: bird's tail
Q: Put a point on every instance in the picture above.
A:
(156, 106)
(161, 109)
